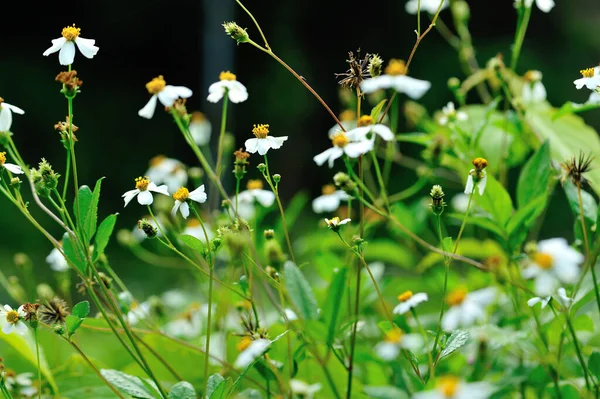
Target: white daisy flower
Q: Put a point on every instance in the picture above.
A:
(553, 263)
(460, 202)
(13, 320)
(138, 312)
(366, 125)
(450, 114)
(66, 45)
(477, 176)
(169, 171)
(11, 167)
(330, 200)
(466, 308)
(200, 128)
(194, 228)
(304, 390)
(429, 6)
(227, 84)
(263, 142)
(533, 90)
(590, 78)
(408, 300)
(353, 144)
(348, 120)
(182, 195)
(254, 192)
(594, 98)
(23, 381)
(187, 325)
(543, 5)
(57, 261)
(6, 111)
(394, 341)
(536, 299)
(335, 223)
(143, 189)
(164, 93)
(564, 299)
(450, 387)
(394, 77)
(249, 350)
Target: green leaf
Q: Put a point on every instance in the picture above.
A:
(518, 226)
(482, 222)
(384, 392)
(496, 201)
(390, 252)
(73, 254)
(212, 383)
(81, 310)
(335, 294)
(300, 292)
(84, 196)
(72, 323)
(129, 384)
(535, 176)
(456, 340)
(192, 242)
(87, 217)
(415, 138)
(447, 244)
(594, 364)
(590, 208)
(377, 110)
(103, 234)
(182, 390)
(220, 390)
(570, 107)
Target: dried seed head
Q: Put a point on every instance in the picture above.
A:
(575, 167)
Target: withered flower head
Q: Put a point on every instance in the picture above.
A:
(30, 310)
(241, 157)
(63, 127)
(70, 80)
(357, 72)
(54, 311)
(575, 167)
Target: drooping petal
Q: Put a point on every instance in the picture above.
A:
(148, 110)
(20, 328)
(263, 146)
(5, 119)
(128, 196)
(162, 189)
(482, 183)
(185, 210)
(251, 145)
(86, 46)
(169, 94)
(326, 203)
(198, 195)
(263, 197)
(374, 84)
(13, 108)
(402, 308)
(534, 301)
(175, 208)
(145, 197)
(354, 150)
(237, 92)
(56, 45)
(16, 169)
(7, 328)
(545, 5)
(413, 88)
(257, 348)
(347, 220)
(469, 185)
(276, 142)
(321, 158)
(216, 92)
(66, 56)
(383, 131)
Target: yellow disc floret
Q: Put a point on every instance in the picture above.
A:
(448, 385)
(141, 183)
(543, 260)
(588, 72)
(70, 32)
(2, 158)
(243, 344)
(340, 140)
(157, 160)
(12, 316)
(405, 296)
(395, 67)
(365, 120)
(328, 189)
(394, 336)
(480, 163)
(182, 194)
(156, 85)
(254, 184)
(333, 222)
(261, 131)
(456, 297)
(226, 75)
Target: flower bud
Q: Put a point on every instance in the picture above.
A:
(59, 329)
(374, 66)
(236, 32)
(15, 181)
(437, 198)
(45, 180)
(276, 177)
(262, 167)
(148, 228)
(269, 234)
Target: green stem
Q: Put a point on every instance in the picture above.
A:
(520, 36)
(222, 135)
(425, 340)
(39, 366)
(445, 289)
(578, 351)
(380, 180)
(67, 172)
(72, 152)
(587, 245)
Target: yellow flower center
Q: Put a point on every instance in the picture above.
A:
(193, 223)
(340, 140)
(334, 221)
(543, 260)
(588, 72)
(448, 385)
(157, 160)
(328, 189)
(261, 131)
(365, 120)
(141, 183)
(2, 158)
(394, 336)
(243, 305)
(182, 194)
(456, 297)
(395, 67)
(405, 296)
(12, 316)
(226, 76)
(254, 185)
(243, 344)
(480, 163)
(156, 85)
(70, 32)
(198, 116)
(347, 115)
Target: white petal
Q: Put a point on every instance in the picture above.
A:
(7, 328)
(469, 185)
(347, 220)
(545, 5)
(128, 196)
(13, 108)
(16, 169)
(374, 84)
(201, 132)
(545, 284)
(66, 56)
(276, 142)
(21, 328)
(237, 92)
(567, 272)
(5, 119)
(451, 318)
(56, 45)
(148, 110)
(264, 197)
(482, 297)
(169, 94)
(145, 198)
(402, 308)
(198, 194)
(326, 203)
(534, 301)
(482, 183)
(358, 133)
(263, 146)
(257, 348)
(413, 88)
(86, 46)
(7, 308)
(185, 210)
(383, 131)
(216, 92)
(162, 189)
(251, 145)
(354, 150)
(387, 350)
(175, 208)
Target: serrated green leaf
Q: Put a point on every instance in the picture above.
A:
(220, 390)
(73, 254)
(103, 235)
(183, 390)
(456, 340)
(300, 292)
(535, 176)
(129, 384)
(81, 310)
(72, 323)
(87, 211)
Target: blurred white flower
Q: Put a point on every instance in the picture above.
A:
(543, 5)
(429, 6)
(143, 190)
(590, 78)
(408, 300)
(335, 223)
(254, 191)
(330, 200)
(290, 314)
(16, 169)
(23, 382)
(450, 387)
(200, 128)
(13, 320)
(263, 142)
(366, 125)
(304, 390)
(182, 195)
(164, 93)
(533, 89)
(66, 45)
(187, 325)
(460, 202)
(450, 114)
(138, 311)
(169, 171)
(394, 77)
(553, 263)
(57, 261)
(477, 176)
(466, 308)
(536, 299)
(348, 121)
(6, 111)
(249, 350)
(194, 228)
(394, 341)
(353, 144)
(236, 92)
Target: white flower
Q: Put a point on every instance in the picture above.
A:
(409, 301)
(167, 171)
(353, 144)
(182, 195)
(21, 381)
(335, 223)
(394, 341)
(450, 387)
(330, 200)
(429, 6)
(250, 350)
(6, 111)
(590, 79)
(57, 261)
(290, 314)
(594, 98)
(543, 5)
(394, 77)
(347, 119)
(254, 192)
(449, 114)
(263, 142)
(533, 90)
(66, 45)
(138, 312)
(366, 126)
(536, 299)
(553, 263)
(304, 390)
(200, 128)
(143, 189)
(477, 175)
(227, 84)
(166, 94)
(460, 202)
(194, 228)
(16, 169)
(12, 320)
(188, 325)
(466, 308)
